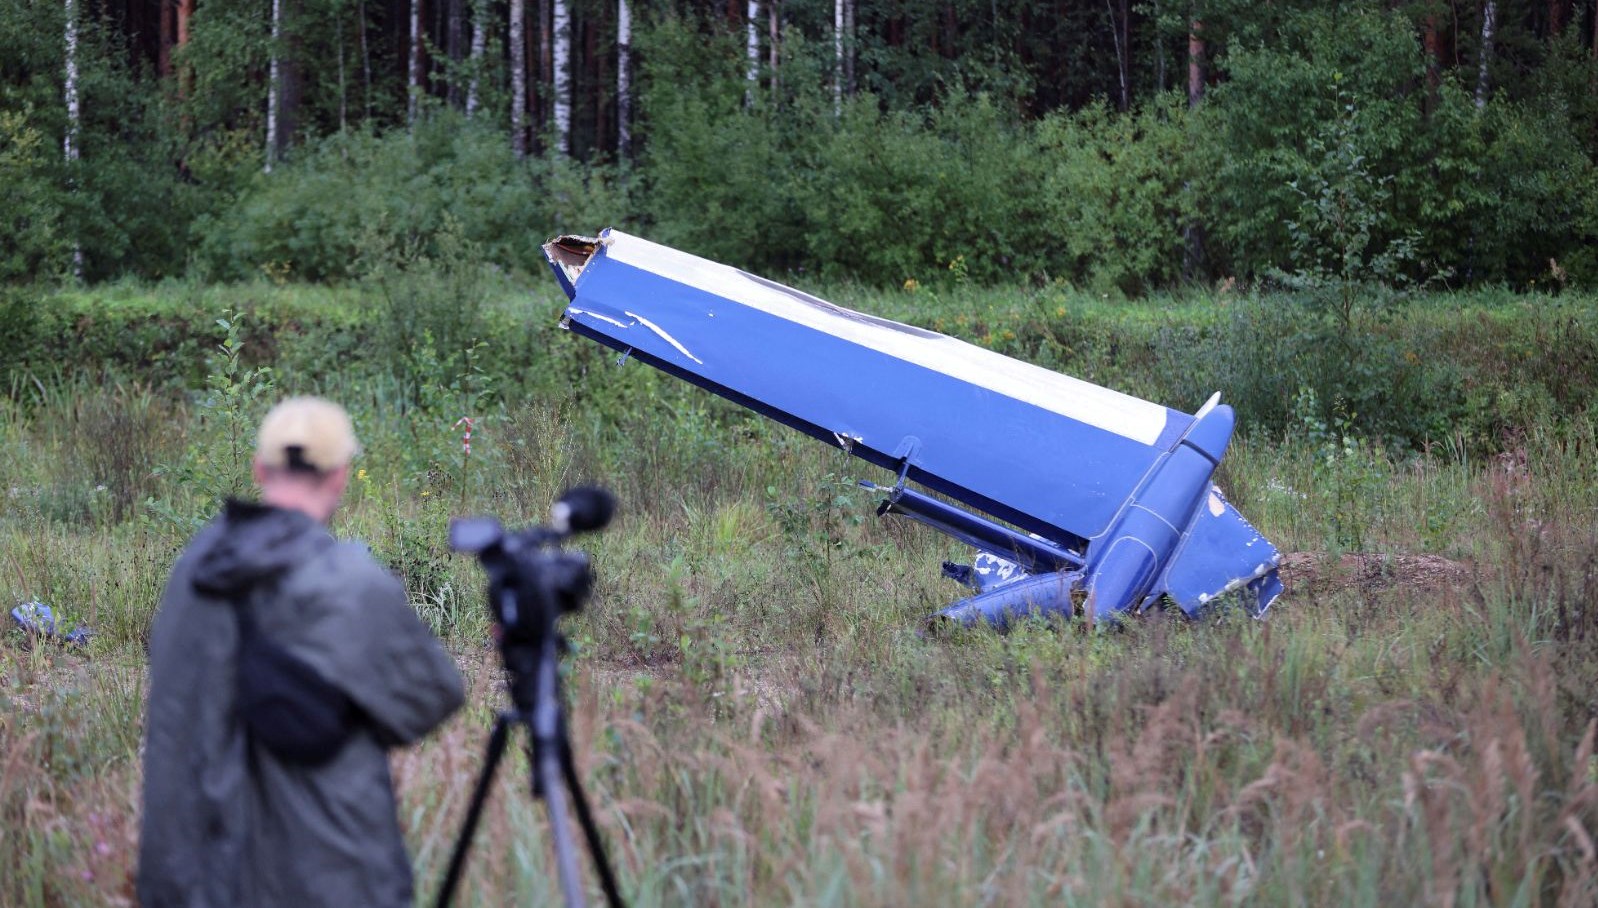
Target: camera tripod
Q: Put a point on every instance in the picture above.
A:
(536, 704)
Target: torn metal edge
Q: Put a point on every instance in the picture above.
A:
(570, 252)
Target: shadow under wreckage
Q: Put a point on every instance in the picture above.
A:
(1092, 503)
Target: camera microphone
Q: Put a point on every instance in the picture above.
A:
(582, 509)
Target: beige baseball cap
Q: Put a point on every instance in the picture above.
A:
(306, 433)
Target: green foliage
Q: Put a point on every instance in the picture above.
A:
(1271, 122)
(448, 187)
(30, 225)
(866, 193)
(963, 131)
(1115, 193)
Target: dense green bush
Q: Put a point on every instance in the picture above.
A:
(1502, 192)
(1115, 195)
(1471, 369)
(356, 195)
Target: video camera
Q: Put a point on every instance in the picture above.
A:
(531, 580)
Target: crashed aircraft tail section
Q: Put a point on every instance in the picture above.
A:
(1107, 497)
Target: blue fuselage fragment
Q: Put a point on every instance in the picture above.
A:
(1105, 494)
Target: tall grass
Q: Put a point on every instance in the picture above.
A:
(759, 719)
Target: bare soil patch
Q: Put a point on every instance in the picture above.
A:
(1306, 573)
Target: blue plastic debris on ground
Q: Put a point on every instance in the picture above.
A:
(38, 620)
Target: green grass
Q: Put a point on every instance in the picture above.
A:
(759, 718)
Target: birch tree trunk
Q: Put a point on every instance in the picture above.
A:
(624, 87)
(560, 30)
(479, 48)
(1489, 26)
(1118, 36)
(752, 45)
(518, 78)
(69, 143)
(273, 86)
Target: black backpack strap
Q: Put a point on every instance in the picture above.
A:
(286, 705)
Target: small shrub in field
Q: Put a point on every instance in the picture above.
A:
(119, 436)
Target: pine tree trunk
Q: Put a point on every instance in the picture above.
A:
(1489, 26)
(624, 86)
(546, 71)
(1431, 43)
(1195, 64)
(479, 49)
(291, 74)
(413, 77)
(1193, 232)
(165, 36)
(453, 42)
(186, 73)
(848, 47)
(561, 36)
(518, 78)
(1558, 16)
(366, 62)
(1159, 53)
(343, 98)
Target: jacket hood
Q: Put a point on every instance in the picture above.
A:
(252, 543)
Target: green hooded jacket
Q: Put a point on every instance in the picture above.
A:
(225, 823)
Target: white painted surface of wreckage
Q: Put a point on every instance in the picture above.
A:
(1085, 402)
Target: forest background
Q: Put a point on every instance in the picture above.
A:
(1119, 146)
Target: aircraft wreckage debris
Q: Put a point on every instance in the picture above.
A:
(1082, 500)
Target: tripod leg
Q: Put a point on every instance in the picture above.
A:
(596, 847)
(546, 774)
(457, 860)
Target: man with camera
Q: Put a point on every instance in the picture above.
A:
(283, 667)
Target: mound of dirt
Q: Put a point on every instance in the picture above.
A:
(1305, 573)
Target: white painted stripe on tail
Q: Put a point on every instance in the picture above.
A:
(1085, 402)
